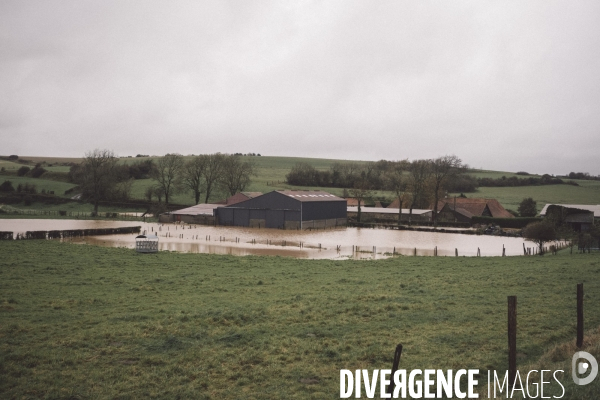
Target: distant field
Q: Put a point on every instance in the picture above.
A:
(588, 192)
(58, 187)
(79, 321)
(9, 165)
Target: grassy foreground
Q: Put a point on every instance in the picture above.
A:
(80, 321)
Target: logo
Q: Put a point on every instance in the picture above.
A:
(581, 367)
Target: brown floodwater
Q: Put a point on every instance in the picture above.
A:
(331, 244)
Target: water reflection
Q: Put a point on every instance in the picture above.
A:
(332, 244)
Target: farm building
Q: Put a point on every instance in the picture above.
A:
(204, 214)
(462, 209)
(286, 209)
(380, 214)
(241, 196)
(581, 217)
(199, 214)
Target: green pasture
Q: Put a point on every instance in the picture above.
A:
(79, 321)
(9, 165)
(588, 192)
(58, 187)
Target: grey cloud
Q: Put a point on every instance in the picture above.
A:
(497, 84)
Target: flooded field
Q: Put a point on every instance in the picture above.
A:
(332, 244)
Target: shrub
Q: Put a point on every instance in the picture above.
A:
(27, 200)
(26, 188)
(37, 171)
(23, 171)
(528, 208)
(540, 233)
(7, 187)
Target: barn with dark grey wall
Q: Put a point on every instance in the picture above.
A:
(280, 210)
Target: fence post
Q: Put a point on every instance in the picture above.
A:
(579, 315)
(512, 340)
(395, 365)
(455, 252)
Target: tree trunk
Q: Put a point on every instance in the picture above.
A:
(399, 211)
(435, 208)
(358, 214)
(197, 197)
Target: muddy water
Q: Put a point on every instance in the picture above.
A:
(331, 244)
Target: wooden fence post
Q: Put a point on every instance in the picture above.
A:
(579, 315)
(512, 340)
(395, 365)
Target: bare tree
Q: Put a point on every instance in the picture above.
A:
(420, 172)
(235, 176)
(212, 172)
(395, 182)
(193, 175)
(168, 174)
(361, 191)
(97, 175)
(442, 169)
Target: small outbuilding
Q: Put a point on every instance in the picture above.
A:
(381, 214)
(202, 214)
(462, 209)
(580, 217)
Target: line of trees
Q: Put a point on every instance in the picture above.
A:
(514, 181)
(205, 174)
(583, 175)
(348, 175)
(102, 178)
(416, 184)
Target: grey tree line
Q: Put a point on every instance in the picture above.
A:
(204, 174)
(415, 184)
(102, 178)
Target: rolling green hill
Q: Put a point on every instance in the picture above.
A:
(271, 172)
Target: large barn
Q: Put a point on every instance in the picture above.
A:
(286, 209)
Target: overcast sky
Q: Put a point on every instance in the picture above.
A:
(504, 85)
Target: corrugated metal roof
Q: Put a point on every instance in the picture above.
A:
(586, 207)
(252, 195)
(382, 210)
(310, 195)
(198, 209)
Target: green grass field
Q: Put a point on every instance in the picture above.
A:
(79, 321)
(58, 187)
(588, 192)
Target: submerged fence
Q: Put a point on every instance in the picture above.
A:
(134, 216)
(69, 233)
